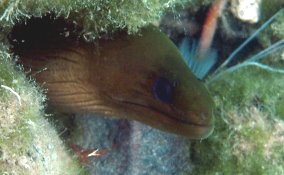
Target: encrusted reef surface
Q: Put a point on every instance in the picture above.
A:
(248, 137)
(28, 142)
(96, 16)
(249, 126)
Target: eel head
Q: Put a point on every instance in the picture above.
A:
(141, 77)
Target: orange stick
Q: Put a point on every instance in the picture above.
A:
(209, 27)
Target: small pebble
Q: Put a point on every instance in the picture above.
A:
(246, 10)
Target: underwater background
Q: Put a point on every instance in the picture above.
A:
(246, 85)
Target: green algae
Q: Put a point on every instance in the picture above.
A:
(26, 137)
(249, 123)
(248, 132)
(275, 30)
(268, 8)
(95, 16)
(279, 107)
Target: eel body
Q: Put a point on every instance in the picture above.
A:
(140, 77)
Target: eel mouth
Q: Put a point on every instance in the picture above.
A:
(166, 114)
(170, 123)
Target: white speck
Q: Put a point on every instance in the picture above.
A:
(31, 123)
(50, 146)
(66, 34)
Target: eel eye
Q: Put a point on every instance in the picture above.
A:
(163, 90)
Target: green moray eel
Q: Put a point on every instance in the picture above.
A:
(140, 77)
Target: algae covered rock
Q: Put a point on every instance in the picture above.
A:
(95, 16)
(28, 143)
(248, 133)
(275, 30)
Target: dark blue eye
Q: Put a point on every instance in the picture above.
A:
(163, 90)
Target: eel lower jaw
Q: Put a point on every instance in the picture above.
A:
(178, 126)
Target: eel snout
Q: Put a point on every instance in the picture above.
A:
(140, 77)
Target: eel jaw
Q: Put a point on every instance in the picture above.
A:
(166, 120)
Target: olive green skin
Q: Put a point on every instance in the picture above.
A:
(114, 77)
